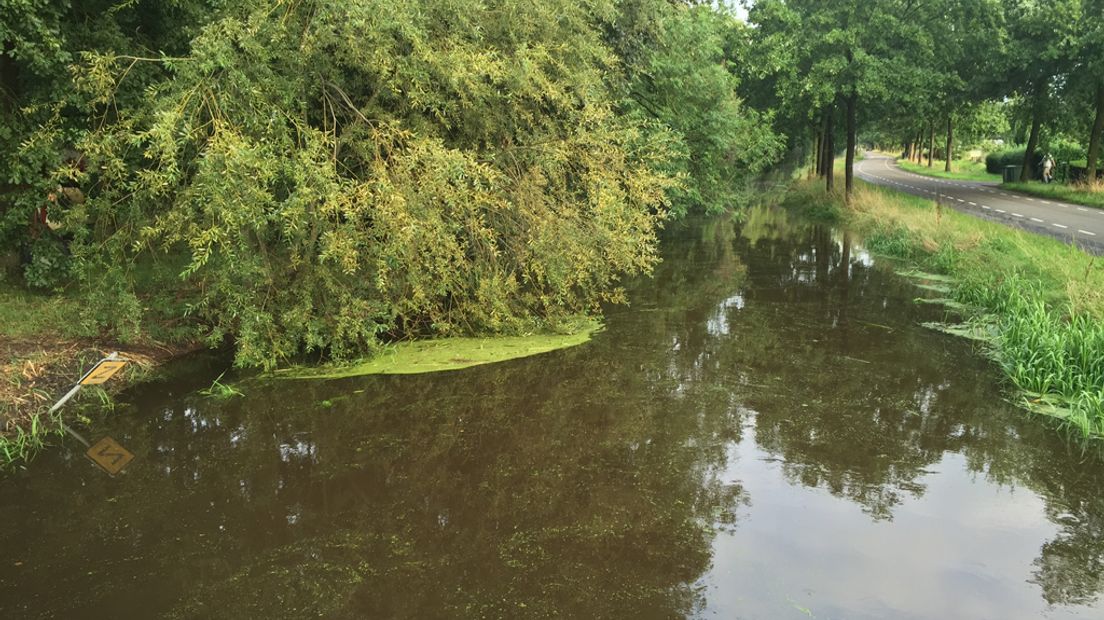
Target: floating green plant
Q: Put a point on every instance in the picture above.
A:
(420, 356)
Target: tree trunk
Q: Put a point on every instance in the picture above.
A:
(849, 167)
(1095, 136)
(9, 79)
(1028, 171)
(920, 146)
(950, 141)
(822, 171)
(931, 141)
(830, 150)
(818, 166)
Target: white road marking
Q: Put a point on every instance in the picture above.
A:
(1061, 226)
(1001, 211)
(972, 203)
(1082, 209)
(1035, 219)
(987, 207)
(1016, 215)
(1085, 232)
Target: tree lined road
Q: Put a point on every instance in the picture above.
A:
(1076, 224)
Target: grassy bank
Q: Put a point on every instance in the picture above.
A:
(1041, 302)
(45, 346)
(1074, 194)
(963, 170)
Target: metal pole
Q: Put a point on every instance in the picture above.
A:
(64, 399)
(114, 357)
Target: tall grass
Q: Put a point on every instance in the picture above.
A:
(1051, 355)
(1078, 193)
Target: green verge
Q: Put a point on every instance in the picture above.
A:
(963, 170)
(1036, 302)
(422, 356)
(1078, 195)
(34, 315)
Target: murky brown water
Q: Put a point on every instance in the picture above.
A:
(765, 433)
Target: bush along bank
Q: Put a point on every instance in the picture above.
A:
(1037, 303)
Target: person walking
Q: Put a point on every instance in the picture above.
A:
(1048, 169)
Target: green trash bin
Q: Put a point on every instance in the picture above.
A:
(1012, 173)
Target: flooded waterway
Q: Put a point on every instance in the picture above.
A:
(765, 432)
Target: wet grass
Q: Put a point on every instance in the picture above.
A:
(963, 170)
(1089, 196)
(1039, 302)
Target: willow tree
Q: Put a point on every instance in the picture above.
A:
(330, 173)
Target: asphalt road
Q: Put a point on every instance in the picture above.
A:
(1082, 226)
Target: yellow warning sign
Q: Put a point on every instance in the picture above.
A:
(102, 372)
(109, 455)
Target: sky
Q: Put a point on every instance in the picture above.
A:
(736, 6)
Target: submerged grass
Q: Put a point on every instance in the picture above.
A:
(1038, 302)
(963, 170)
(1076, 194)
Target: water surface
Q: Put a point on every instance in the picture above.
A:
(765, 432)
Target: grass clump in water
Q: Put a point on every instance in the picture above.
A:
(1040, 301)
(24, 441)
(421, 356)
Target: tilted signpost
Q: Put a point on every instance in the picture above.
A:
(107, 453)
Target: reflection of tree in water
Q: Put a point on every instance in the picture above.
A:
(840, 396)
(1070, 567)
(863, 410)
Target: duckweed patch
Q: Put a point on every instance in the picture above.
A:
(422, 356)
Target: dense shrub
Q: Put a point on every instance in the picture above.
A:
(996, 161)
(1065, 149)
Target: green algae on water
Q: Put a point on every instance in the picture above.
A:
(421, 356)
